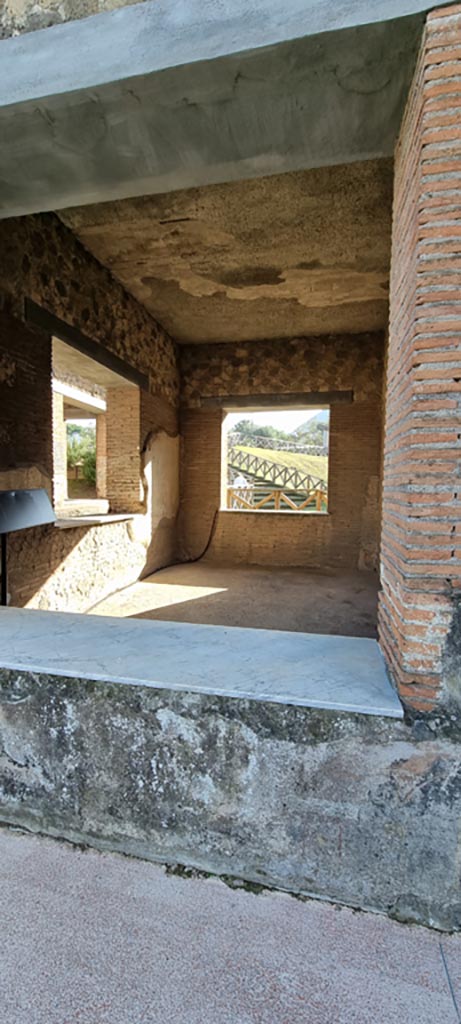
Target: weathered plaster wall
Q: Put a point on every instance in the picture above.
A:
(349, 534)
(40, 259)
(18, 16)
(349, 807)
(203, 260)
(161, 478)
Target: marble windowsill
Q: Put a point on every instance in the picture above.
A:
(310, 670)
(66, 523)
(273, 512)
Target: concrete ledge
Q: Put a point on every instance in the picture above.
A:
(308, 670)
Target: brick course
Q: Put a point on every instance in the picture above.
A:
(421, 551)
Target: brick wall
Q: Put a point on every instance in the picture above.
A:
(421, 552)
(349, 535)
(200, 478)
(101, 456)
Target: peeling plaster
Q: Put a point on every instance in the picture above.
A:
(307, 252)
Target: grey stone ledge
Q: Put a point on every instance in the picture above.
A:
(304, 669)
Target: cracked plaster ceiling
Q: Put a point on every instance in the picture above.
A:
(293, 254)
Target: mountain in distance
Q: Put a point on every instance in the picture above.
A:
(321, 419)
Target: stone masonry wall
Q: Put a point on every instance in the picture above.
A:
(349, 535)
(18, 16)
(40, 259)
(420, 611)
(353, 808)
(53, 568)
(72, 569)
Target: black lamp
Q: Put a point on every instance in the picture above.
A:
(20, 510)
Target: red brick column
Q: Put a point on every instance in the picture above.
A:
(101, 456)
(421, 549)
(59, 451)
(123, 464)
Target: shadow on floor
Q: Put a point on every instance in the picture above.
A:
(297, 600)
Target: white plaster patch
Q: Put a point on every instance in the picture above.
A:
(178, 726)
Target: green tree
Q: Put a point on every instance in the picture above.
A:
(81, 448)
(251, 429)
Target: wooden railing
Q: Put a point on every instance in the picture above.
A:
(286, 477)
(253, 498)
(236, 439)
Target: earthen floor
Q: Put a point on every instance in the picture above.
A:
(96, 938)
(298, 600)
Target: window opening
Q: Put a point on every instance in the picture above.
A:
(95, 436)
(276, 460)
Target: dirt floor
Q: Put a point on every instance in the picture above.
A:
(288, 599)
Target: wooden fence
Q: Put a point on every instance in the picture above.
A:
(276, 500)
(236, 439)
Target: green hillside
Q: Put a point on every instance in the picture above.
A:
(316, 465)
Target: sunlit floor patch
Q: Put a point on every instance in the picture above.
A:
(298, 600)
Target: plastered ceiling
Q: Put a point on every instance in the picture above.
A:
(299, 253)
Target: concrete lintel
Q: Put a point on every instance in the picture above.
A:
(299, 400)
(158, 97)
(80, 398)
(39, 317)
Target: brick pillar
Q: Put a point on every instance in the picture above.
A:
(421, 550)
(59, 451)
(123, 468)
(101, 456)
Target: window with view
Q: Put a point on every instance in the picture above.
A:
(276, 460)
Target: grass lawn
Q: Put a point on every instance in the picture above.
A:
(316, 465)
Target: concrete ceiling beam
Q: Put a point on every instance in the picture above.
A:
(161, 96)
